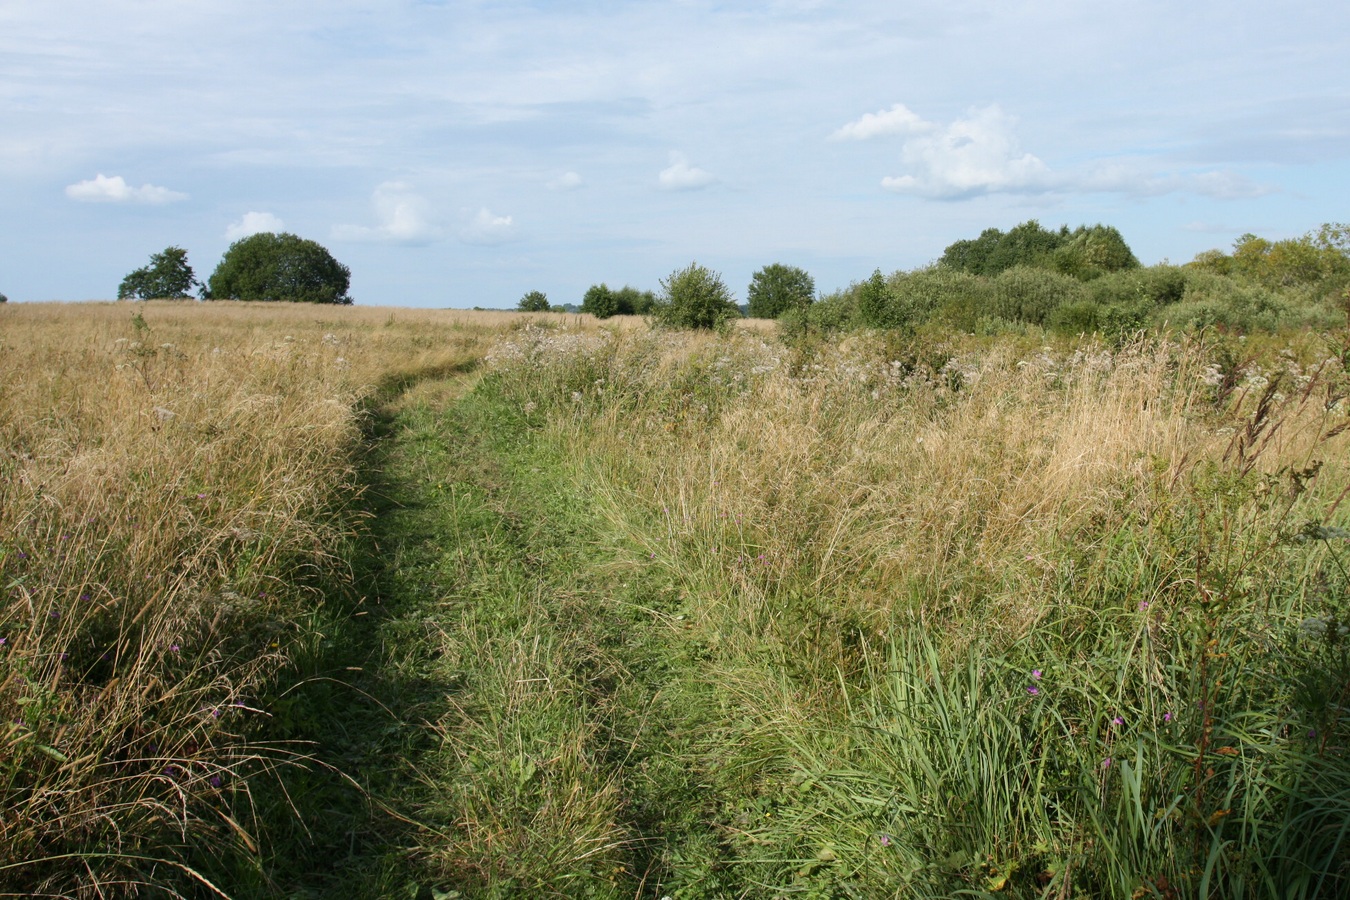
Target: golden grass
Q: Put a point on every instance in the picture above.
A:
(177, 481)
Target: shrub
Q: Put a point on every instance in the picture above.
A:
(284, 267)
(777, 288)
(695, 297)
(599, 301)
(1025, 294)
(534, 301)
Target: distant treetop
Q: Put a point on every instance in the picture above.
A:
(167, 277)
(283, 266)
(1086, 253)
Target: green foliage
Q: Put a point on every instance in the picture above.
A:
(600, 302)
(1320, 258)
(3, 299)
(694, 297)
(167, 277)
(1091, 252)
(777, 288)
(534, 301)
(280, 267)
(633, 302)
(1085, 253)
(876, 307)
(1030, 295)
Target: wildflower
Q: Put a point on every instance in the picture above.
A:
(1118, 721)
(85, 597)
(1033, 690)
(885, 840)
(1167, 717)
(1143, 605)
(3, 641)
(174, 648)
(1036, 674)
(1106, 763)
(214, 781)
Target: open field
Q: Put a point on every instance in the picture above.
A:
(494, 605)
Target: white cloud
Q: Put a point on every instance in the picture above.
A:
(979, 154)
(680, 176)
(976, 154)
(488, 228)
(568, 181)
(254, 223)
(899, 119)
(101, 189)
(402, 217)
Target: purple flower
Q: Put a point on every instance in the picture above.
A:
(54, 614)
(885, 840)
(1167, 717)
(1117, 721)
(1106, 763)
(85, 597)
(1143, 605)
(174, 648)
(214, 781)
(4, 641)
(1036, 674)
(1033, 690)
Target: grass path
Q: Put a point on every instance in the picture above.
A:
(517, 696)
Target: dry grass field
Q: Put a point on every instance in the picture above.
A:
(696, 615)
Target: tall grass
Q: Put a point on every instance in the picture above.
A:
(178, 491)
(994, 617)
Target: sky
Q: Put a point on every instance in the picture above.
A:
(461, 153)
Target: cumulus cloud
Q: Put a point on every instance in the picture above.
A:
(254, 223)
(568, 181)
(979, 153)
(102, 189)
(680, 176)
(899, 119)
(402, 217)
(488, 228)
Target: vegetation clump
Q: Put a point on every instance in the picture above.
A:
(695, 297)
(167, 277)
(283, 267)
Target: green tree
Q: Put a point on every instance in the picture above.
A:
(284, 267)
(875, 302)
(1091, 252)
(695, 297)
(3, 299)
(168, 277)
(534, 301)
(599, 301)
(633, 302)
(777, 288)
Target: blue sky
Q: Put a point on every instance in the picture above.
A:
(458, 154)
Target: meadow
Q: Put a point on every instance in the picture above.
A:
(505, 605)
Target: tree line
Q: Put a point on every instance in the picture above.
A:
(1067, 280)
(263, 266)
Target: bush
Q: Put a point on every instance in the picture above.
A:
(633, 302)
(695, 297)
(3, 299)
(599, 301)
(283, 267)
(534, 301)
(777, 288)
(1024, 294)
(1154, 286)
